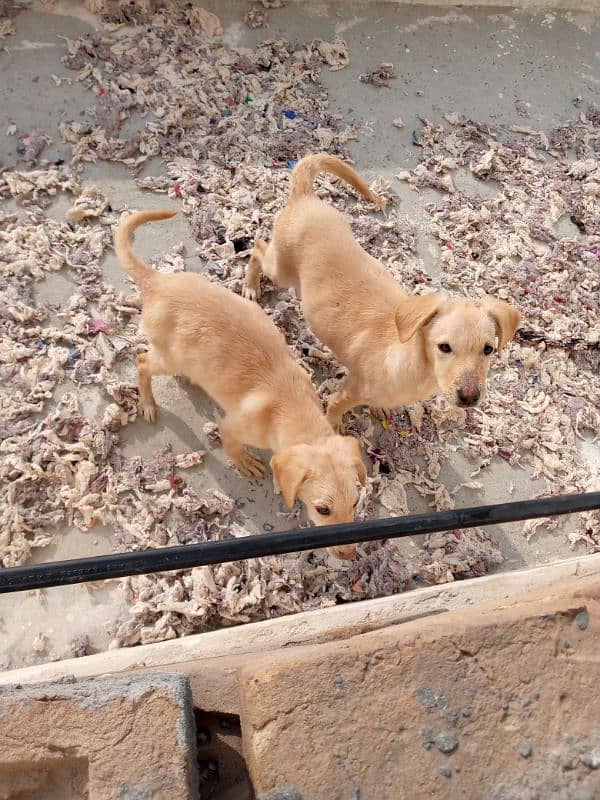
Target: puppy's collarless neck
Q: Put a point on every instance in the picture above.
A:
(304, 423)
(408, 366)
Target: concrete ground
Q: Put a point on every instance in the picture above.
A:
(478, 62)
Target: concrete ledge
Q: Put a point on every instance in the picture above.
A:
(502, 697)
(212, 659)
(103, 739)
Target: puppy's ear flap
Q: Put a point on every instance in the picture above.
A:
(414, 312)
(362, 471)
(357, 460)
(289, 473)
(506, 317)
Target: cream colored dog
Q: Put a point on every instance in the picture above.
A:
(398, 348)
(230, 348)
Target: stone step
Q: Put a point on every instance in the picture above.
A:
(105, 739)
(499, 701)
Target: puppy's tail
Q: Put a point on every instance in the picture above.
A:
(307, 169)
(132, 263)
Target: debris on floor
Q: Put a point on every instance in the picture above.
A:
(255, 18)
(229, 124)
(378, 77)
(8, 10)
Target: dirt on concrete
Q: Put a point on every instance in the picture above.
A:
(498, 67)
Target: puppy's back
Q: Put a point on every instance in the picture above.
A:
(226, 344)
(217, 339)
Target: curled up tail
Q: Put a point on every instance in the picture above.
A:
(132, 263)
(307, 169)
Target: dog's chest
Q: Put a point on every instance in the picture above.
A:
(402, 381)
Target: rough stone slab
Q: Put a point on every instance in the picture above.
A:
(106, 739)
(498, 702)
(212, 659)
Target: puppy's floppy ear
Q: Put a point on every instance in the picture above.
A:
(356, 459)
(506, 317)
(414, 312)
(289, 473)
(362, 471)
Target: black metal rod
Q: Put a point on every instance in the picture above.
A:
(120, 565)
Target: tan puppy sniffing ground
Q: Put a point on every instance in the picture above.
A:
(231, 349)
(399, 348)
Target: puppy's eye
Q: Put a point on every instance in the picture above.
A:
(445, 347)
(488, 350)
(324, 511)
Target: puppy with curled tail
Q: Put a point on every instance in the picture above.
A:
(230, 348)
(399, 348)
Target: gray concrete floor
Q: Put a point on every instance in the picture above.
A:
(478, 62)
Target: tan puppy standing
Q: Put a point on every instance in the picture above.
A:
(231, 349)
(399, 348)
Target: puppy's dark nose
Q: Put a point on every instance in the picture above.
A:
(468, 396)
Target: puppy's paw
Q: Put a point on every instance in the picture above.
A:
(347, 552)
(382, 414)
(251, 292)
(148, 410)
(251, 465)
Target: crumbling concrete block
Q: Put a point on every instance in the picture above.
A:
(106, 739)
(495, 702)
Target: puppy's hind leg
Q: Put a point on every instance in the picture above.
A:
(231, 430)
(251, 284)
(148, 364)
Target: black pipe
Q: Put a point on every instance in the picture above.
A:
(119, 565)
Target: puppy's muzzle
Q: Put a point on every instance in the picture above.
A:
(468, 396)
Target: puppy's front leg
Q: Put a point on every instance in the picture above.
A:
(341, 401)
(144, 373)
(381, 414)
(251, 284)
(231, 432)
